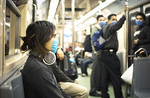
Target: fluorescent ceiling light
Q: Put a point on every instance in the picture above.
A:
(52, 11)
(92, 12)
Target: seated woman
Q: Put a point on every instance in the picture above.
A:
(38, 78)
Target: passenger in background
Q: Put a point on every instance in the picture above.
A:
(111, 63)
(78, 47)
(38, 79)
(78, 51)
(85, 62)
(95, 80)
(69, 86)
(142, 34)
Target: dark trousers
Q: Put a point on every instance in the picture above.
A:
(84, 64)
(95, 79)
(111, 69)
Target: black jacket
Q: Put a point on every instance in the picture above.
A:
(39, 80)
(111, 29)
(143, 36)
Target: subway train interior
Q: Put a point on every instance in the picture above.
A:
(74, 19)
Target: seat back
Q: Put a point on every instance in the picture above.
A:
(120, 54)
(17, 87)
(141, 81)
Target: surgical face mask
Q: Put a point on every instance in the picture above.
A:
(54, 46)
(102, 23)
(114, 22)
(50, 58)
(139, 22)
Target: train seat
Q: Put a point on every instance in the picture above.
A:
(141, 81)
(17, 87)
(120, 56)
(14, 90)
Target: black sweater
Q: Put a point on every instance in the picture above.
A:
(144, 38)
(39, 80)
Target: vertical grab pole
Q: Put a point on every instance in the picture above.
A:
(63, 19)
(127, 31)
(73, 31)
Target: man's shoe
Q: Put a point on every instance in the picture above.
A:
(95, 94)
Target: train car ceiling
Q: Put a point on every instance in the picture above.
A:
(117, 6)
(89, 18)
(83, 9)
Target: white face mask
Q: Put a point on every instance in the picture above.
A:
(50, 58)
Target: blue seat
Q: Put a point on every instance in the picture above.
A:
(141, 79)
(17, 87)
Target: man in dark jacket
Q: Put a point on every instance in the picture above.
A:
(142, 34)
(111, 63)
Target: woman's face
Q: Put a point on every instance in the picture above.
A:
(49, 44)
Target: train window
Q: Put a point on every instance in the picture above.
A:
(11, 34)
(7, 31)
(147, 13)
(132, 27)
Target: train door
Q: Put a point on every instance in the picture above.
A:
(146, 10)
(132, 29)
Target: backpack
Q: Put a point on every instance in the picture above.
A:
(98, 41)
(69, 67)
(87, 44)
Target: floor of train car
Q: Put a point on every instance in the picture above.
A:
(85, 81)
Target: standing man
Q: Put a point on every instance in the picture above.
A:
(111, 63)
(142, 34)
(96, 68)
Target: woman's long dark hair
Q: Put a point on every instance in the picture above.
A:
(37, 34)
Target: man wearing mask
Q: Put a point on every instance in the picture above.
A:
(142, 34)
(95, 80)
(111, 63)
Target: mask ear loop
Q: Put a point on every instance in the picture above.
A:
(54, 59)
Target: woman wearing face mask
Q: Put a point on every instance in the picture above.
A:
(38, 79)
(142, 34)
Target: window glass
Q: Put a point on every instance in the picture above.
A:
(7, 31)
(147, 13)
(11, 35)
